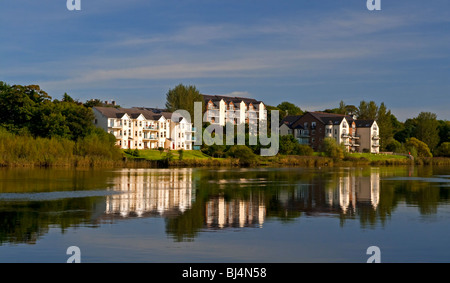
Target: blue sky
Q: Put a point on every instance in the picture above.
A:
(311, 53)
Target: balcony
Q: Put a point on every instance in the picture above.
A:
(303, 134)
(213, 113)
(151, 128)
(345, 135)
(356, 137)
(115, 126)
(375, 145)
(375, 137)
(150, 138)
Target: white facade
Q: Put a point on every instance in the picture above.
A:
(222, 110)
(146, 130)
(182, 135)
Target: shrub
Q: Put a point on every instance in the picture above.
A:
(332, 149)
(243, 153)
(443, 150)
(422, 148)
(394, 146)
(304, 150)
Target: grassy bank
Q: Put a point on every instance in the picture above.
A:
(199, 159)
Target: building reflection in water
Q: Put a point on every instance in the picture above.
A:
(142, 192)
(350, 191)
(235, 213)
(171, 192)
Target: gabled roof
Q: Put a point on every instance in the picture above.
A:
(290, 120)
(228, 99)
(331, 118)
(134, 113)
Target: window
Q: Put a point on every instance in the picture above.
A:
(140, 124)
(313, 132)
(313, 125)
(95, 121)
(335, 131)
(135, 133)
(344, 125)
(305, 125)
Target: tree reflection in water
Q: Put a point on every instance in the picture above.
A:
(196, 200)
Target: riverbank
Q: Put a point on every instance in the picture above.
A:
(198, 159)
(172, 159)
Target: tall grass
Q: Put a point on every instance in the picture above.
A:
(25, 150)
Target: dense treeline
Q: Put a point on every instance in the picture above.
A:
(36, 130)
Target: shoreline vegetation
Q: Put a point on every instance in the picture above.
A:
(96, 152)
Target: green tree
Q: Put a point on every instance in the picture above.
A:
(287, 144)
(182, 98)
(20, 106)
(290, 108)
(422, 148)
(393, 145)
(332, 149)
(303, 149)
(427, 129)
(444, 131)
(244, 154)
(443, 150)
(408, 130)
(367, 111)
(384, 122)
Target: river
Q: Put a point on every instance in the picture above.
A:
(245, 215)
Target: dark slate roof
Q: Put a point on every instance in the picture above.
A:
(331, 118)
(111, 112)
(364, 123)
(290, 120)
(228, 99)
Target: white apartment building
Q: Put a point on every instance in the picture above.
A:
(236, 110)
(182, 134)
(144, 128)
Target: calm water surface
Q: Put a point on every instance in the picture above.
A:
(226, 215)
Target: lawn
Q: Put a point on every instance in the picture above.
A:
(151, 154)
(377, 157)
